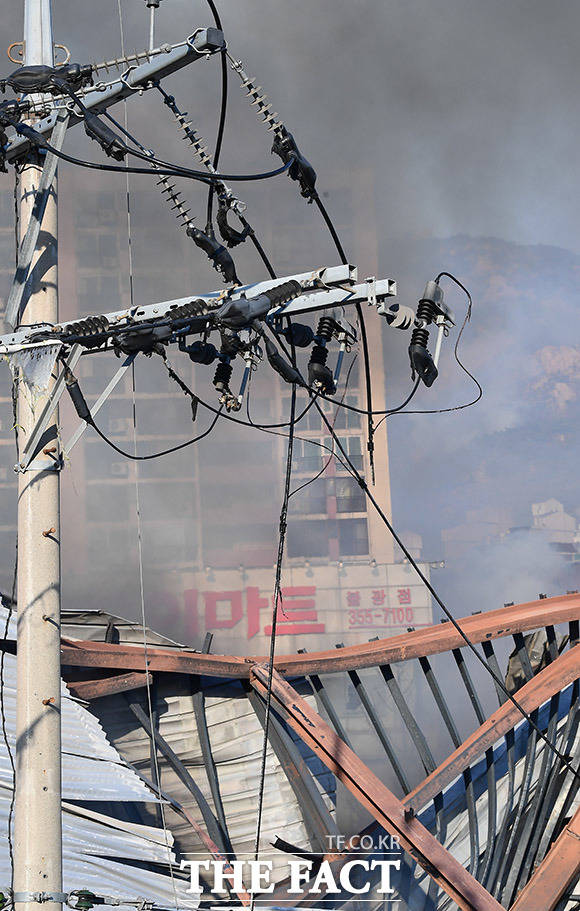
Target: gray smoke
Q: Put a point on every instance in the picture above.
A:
(450, 130)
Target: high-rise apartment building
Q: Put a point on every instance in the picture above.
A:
(207, 516)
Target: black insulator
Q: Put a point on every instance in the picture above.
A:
(420, 336)
(223, 375)
(93, 325)
(287, 291)
(298, 334)
(326, 326)
(319, 375)
(426, 311)
(202, 352)
(78, 399)
(193, 308)
(318, 355)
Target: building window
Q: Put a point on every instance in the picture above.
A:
(349, 496)
(353, 537)
(353, 447)
(308, 538)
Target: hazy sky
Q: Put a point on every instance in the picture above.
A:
(466, 115)
(466, 110)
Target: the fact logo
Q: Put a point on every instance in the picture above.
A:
(256, 876)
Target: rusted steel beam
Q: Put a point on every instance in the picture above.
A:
(463, 889)
(558, 870)
(108, 686)
(554, 678)
(429, 641)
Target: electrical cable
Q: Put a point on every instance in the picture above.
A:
(164, 452)
(497, 680)
(137, 498)
(165, 169)
(223, 111)
(329, 459)
(363, 332)
(277, 602)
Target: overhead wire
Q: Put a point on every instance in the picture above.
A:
(363, 332)
(497, 680)
(165, 168)
(222, 114)
(138, 503)
(277, 604)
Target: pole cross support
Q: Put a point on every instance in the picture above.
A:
(34, 441)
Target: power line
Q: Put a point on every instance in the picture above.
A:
(497, 680)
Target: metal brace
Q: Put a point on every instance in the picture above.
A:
(31, 450)
(101, 400)
(371, 290)
(40, 897)
(56, 464)
(28, 246)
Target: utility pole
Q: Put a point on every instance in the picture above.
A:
(37, 825)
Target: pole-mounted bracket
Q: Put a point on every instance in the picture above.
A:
(40, 897)
(54, 464)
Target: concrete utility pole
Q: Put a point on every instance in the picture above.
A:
(37, 826)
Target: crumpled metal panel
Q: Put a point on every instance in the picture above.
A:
(236, 739)
(96, 844)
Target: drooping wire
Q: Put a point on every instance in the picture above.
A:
(156, 455)
(363, 334)
(277, 603)
(223, 111)
(497, 680)
(164, 168)
(330, 457)
(138, 503)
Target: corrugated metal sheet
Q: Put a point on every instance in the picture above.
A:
(105, 852)
(236, 737)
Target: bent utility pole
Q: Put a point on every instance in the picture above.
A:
(37, 826)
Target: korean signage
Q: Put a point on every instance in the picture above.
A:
(320, 606)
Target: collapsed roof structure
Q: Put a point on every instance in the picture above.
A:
(494, 825)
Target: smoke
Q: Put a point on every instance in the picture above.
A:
(444, 136)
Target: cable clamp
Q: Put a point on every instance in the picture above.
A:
(40, 897)
(371, 283)
(53, 464)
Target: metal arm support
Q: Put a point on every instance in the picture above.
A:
(202, 43)
(28, 246)
(31, 448)
(100, 401)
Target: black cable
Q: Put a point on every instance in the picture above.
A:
(331, 228)
(363, 333)
(223, 111)
(329, 459)
(497, 680)
(165, 168)
(277, 602)
(155, 455)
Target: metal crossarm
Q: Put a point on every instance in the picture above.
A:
(202, 43)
